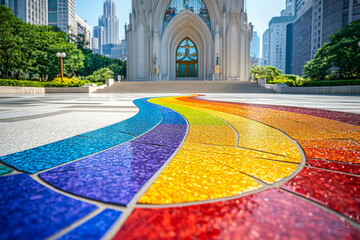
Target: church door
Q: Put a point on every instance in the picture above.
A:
(187, 59)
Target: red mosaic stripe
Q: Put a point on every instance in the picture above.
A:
(337, 191)
(266, 215)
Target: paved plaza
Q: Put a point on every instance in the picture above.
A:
(168, 165)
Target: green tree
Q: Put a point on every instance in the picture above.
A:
(339, 58)
(101, 75)
(12, 30)
(267, 72)
(27, 49)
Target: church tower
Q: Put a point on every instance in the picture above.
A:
(170, 40)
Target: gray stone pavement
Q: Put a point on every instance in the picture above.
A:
(31, 121)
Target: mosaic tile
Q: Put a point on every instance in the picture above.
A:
(194, 117)
(164, 134)
(350, 118)
(173, 118)
(51, 155)
(298, 126)
(331, 144)
(112, 176)
(258, 136)
(267, 215)
(31, 211)
(335, 166)
(335, 155)
(214, 135)
(237, 151)
(339, 192)
(191, 176)
(264, 170)
(4, 170)
(95, 228)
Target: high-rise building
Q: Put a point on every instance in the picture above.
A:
(30, 11)
(62, 15)
(316, 21)
(302, 40)
(5, 2)
(106, 34)
(99, 39)
(277, 42)
(84, 29)
(110, 23)
(255, 46)
(266, 48)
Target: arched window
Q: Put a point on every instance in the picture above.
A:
(186, 59)
(197, 6)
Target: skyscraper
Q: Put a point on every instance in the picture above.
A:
(62, 15)
(106, 34)
(255, 49)
(30, 11)
(316, 21)
(84, 29)
(110, 23)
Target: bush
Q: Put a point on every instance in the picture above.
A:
(73, 80)
(330, 83)
(21, 83)
(101, 75)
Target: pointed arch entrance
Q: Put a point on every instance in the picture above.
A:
(186, 59)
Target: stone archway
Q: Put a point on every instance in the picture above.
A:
(186, 25)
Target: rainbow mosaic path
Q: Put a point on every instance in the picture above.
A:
(189, 168)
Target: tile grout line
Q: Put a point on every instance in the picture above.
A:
(334, 171)
(323, 207)
(267, 186)
(134, 203)
(76, 224)
(99, 204)
(333, 161)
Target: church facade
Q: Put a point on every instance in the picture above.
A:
(169, 40)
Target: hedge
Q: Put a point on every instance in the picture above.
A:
(24, 83)
(330, 83)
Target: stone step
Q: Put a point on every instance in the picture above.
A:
(185, 87)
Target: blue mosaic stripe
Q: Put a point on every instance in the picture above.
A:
(94, 228)
(31, 211)
(117, 174)
(51, 155)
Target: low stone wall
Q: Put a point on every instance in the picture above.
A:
(69, 90)
(21, 90)
(348, 90)
(88, 88)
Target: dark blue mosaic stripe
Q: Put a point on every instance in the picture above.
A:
(117, 174)
(95, 228)
(31, 211)
(64, 151)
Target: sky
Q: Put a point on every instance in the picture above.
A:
(259, 12)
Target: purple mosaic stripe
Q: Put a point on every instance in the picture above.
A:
(117, 174)
(165, 135)
(113, 176)
(31, 211)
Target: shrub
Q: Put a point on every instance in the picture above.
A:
(330, 83)
(21, 83)
(101, 75)
(73, 80)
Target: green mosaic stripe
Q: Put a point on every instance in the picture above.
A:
(4, 170)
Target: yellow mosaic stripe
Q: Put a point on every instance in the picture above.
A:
(211, 166)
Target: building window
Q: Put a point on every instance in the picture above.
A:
(197, 6)
(186, 59)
